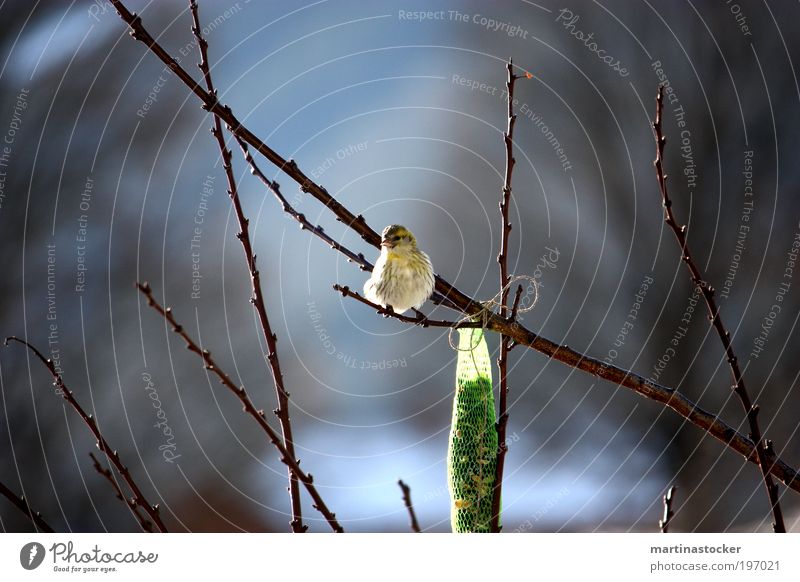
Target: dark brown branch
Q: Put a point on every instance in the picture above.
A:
(653, 391)
(505, 199)
(447, 295)
(239, 391)
(664, 522)
(515, 305)
(112, 455)
(210, 102)
(409, 506)
(257, 298)
(421, 319)
(106, 473)
(21, 503)
(750, 409)
(305, 224)
(452, 297)
(505, 280)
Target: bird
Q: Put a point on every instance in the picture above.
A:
(403, 275)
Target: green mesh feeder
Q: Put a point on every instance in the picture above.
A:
(472, 451)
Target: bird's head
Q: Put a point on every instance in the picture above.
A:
(398, 237)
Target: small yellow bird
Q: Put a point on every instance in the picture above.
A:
(403, 274)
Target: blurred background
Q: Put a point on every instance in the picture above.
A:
(108, 175)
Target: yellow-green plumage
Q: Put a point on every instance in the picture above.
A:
(403, 274)
(472, 452)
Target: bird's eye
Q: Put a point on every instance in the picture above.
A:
(396, 238)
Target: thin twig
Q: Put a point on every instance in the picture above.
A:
(505, 279)
(667, 396)
(447, 295)
(305, 224)
(515, 305)
(210, 102)
(453, 298)
(412, 515)
(421, 319)
(21, 503)
(106, 473)
(113, 456)
(239, 391)
(257, 298)
(670, 397)
(664, 522)
(505, 200)
(751, 410)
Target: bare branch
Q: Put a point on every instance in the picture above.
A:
(305, 224)
(113, 456)
(447, 294)
(515, 305)
(239, 391)
(664, 522)
(421, 319)
(106, 473)
(409, 506)
(668, 396)
(505, 279)
(750, 409)
(255, 278)
(505, 195)
(21, 503)
(455, 299)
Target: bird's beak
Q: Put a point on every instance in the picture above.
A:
(387, 243)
